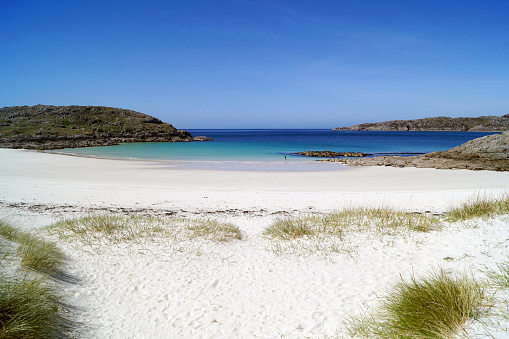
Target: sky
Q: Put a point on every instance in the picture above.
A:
(259, 64)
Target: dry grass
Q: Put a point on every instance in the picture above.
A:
(120, 228)
(436, 306)
(213, 229)
(500, 277)
(479, 207)
(383, 221)
(330, 233)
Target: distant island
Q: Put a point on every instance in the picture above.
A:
(47, 127)
(480, 124)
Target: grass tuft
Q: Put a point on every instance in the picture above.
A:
(35, 253)
(330, 233)
(213, 229)
(39, 255)
(29, 308)
(500, 277)
(479, 207)
(114, 228)
(121, 228)
(292, 228)
(436, 306)
(380, 220)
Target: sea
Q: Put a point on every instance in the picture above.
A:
(274, 149)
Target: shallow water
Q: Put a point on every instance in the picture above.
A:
(272, 150)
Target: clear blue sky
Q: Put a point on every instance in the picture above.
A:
(259, 64)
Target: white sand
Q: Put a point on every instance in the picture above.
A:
(241, 289)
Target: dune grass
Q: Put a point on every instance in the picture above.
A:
(213, 229)
(435, 306)
(39, 255)
(122, 228)
(479, 207)
(380, 220)
(35, 253)
(30, 304)
(9, 232)
(31, 308)
(499, 277)
(330, 233)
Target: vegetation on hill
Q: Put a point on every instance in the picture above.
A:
(479, 124)
(51, 127)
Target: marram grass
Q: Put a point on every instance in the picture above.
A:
(435, 306)
(39, 255)
(8, 232)
(479, 207)
(35, 253)
(213, 229)
(30, 305)
(121, 228)
(379, 220)
(30, 308)
(499, 277)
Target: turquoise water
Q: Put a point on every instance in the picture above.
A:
(266, 149)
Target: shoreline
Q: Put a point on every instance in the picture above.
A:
(204, 289)
(293, 164)
(89, 176)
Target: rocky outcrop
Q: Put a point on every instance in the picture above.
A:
(480, 124)
(202, 138)
(486, 153)
(330, 154)
(54, 127)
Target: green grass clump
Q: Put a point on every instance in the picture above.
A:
(479, 207)
(42, 256)
(436, 306)
(35, 253)
(121, 228)
(9, 232)
(30, 308)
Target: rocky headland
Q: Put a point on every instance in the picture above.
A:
(486, 153)
(479, 124)
(46, 127)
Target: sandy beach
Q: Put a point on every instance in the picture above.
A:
(241, 289)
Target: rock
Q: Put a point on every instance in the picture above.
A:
(486, 153)
(152, 120)
(202, 138)
(330, 154)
